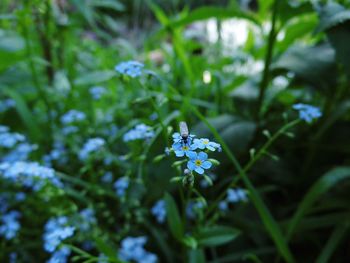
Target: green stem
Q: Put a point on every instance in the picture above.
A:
(266, 217)
(268, 58)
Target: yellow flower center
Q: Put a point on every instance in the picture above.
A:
(185, 148)
(205, 141)
(198, 162)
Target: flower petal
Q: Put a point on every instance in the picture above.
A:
(191, 165)
(199, 170)
(202, 156)
(179, 153)
(192, 155)
(206, 165)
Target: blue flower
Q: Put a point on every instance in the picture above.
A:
(204, 143)
(132, 249)
(130, 68)
(92, 145)
(236, 195)
(6, 104)
(10, 225)
(141, 131)
(87, 219)
(177, 138)
(107, 177)
(56, 230)
(72, 116)
(193, 208)
(158, 210)
(223, 205)
(20, 153)
(198, 162)
(60, 256)
(307, 112)
(29, 174)
(9, 140)
(121, 185)
(69, 129)
(181, 149)
(97, 92)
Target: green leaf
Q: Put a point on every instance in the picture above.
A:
(190, 242)
(89, 78)
(321, 186)
(332, 243)
(173, 217)
(104, 248)
(203, 13)
(216, 235)
(110, 4)
(332, 14)
(196, 256)
(313, 64)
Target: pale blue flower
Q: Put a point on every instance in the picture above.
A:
(130, 68)
(87, 219)
(69, 129)
(56, 230)
(193, 208)
(20, 153)
(121, 185)
(182, 149)
(132, 249)
(159, 211)
(10, 224)
(198, 162)
(107, 177)
(141, 131)
(204, 143)
(236, 195)
(60, 256)
(9, 140)
(6, 105)
(307, 112)
(97, 92)
(72, 116)
(92, 145)
(223, 205)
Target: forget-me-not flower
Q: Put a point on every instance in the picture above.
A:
(198, 162)
(92, 145)
(6, 104)
(182, 149)
(307, 112)
(121, 185)
(56, 230)
(141, 131)
(130, 68)
(97, 92)
(204, 143)
(10, 224)
(132, 249)
(159, 211)
(72, 116)
(60, 256)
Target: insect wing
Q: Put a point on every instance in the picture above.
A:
(183, 129)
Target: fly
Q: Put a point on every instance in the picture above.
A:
(184, 132)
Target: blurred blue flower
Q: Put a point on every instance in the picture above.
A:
(236, 195)
(193, 208)
(97, 92)
(92, 145)
(204, 143)
(307, 112)
(102, 258)
(198, 162)
(72, 116)
(121, 185)
(20, 153)
(69, 129)
(10, 224)
(60, 256)
(107, 177)
(13, 257)
(159, 211)
(29, 174)
(20, 196)
(223, 205)
(130, 68)
(87, 219)
(132, 249)
(141, 131)
(56, 230)
(9, 140)
(6, 104)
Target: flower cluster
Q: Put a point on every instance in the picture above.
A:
(130, 68)
(9, 139)
(29, 174)
(194, 150)
(56, 230)
(87, 219)
(141, 131)
(10, 224)
(19, 153)
(73, 116)
(92, 145)
(233, 196)
(60, 256)
(132, 249)
(97, 92)
(159, 211)
(307, 112)
(121, 185)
